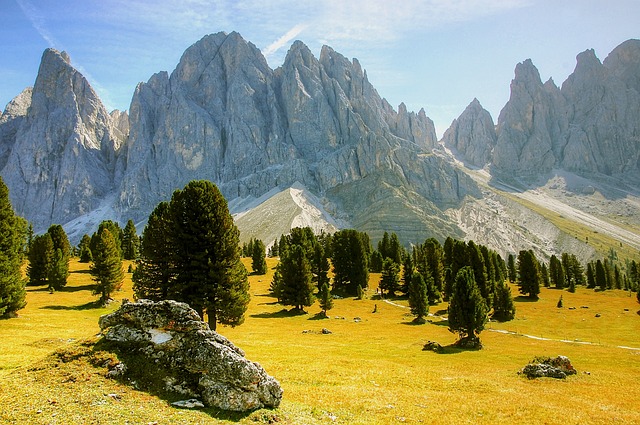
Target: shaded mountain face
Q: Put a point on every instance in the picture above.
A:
(59, 146)
(589, 125)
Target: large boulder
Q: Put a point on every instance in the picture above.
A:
(202, 362)
(546, 367)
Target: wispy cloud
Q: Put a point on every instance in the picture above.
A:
(37, 21)
(284, 40)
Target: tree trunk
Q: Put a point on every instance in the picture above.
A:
(211, 319)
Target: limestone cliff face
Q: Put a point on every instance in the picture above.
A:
(529, 124)
(589, 126)
(64, 152)
(473, 135)
(10, 120)
(224, 115)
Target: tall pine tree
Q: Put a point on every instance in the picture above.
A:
(528, 274)
(418, 302)
(12, 240)
(154, 273)
(106, 268)
(40, 260)
(296, 288)
(209, 275)
(258, 257)
(130, 241)
(467, 308)
(59, 271)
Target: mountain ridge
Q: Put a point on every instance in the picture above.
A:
(317, 125)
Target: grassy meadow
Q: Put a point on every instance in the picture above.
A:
(370, 370)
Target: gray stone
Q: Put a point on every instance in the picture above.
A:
(545, 367)
(172, 335)
(472, 135)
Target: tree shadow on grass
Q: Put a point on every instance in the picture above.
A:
(280, 314)
(78, 288)
(88, 306)
(81, 272)
(525, 299)
(318, 316)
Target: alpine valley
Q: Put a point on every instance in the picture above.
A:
(313, 143)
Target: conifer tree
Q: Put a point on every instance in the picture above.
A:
(85, 249)
(130, 241)
(476, 261)
(116, 233)
(12, 241)
(407, 273)
(600, 276)
(389, 280)
(458, 259)
(295, 271)
(209, 275)
(467, 307)
(418, 301)
(154, 273)
(591, 275)
(511, 268)
(40, 260)
(545, 275)
(350, 259)
(528, 274)
(376, 262)
(556, 272)
(59, 271)
(325, 299)
(434, 256)
(106, 269)
(258, 258)
(504, 308)
(276, 284)
(321, 266)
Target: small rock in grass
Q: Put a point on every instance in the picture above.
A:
(192, 403)
(326, 331)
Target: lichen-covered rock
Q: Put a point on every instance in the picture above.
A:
(172, 335)
(546, 367)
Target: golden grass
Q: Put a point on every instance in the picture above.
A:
(371, 371)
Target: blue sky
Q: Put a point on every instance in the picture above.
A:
(435, 54)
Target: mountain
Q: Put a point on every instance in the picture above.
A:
(59, 146)
(312, 142)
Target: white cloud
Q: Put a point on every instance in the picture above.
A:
(284, 40)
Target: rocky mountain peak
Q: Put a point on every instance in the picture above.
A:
(624, 63)
(472, 136)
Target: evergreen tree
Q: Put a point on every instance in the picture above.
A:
(321, 267)
(476, 261)
(350, 261)
(384, 247)
(376, 262)
(13, 230)
(325, 299)
(85, 249)
(396, 252)
(130, 241)
(154, 273)
(577, 270)
(40, 260)
(591, 275)
(433, 295)
(418, 301)
(545, 275)
(258, 257)
(458, 259)
(389, 280)
(504, 308)
(209, 275)
(297, 287)
(434, 257)
(467, 307)
(59, 271)
(528, 274)
(106, 269)
(600, 276)
(556, 272)
(273, 251)
(276, 284)
(511, 268)
(407, 273)
(116, 233)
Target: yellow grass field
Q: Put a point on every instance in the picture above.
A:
(367, 371)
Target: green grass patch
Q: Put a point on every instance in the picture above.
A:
(370, 370)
